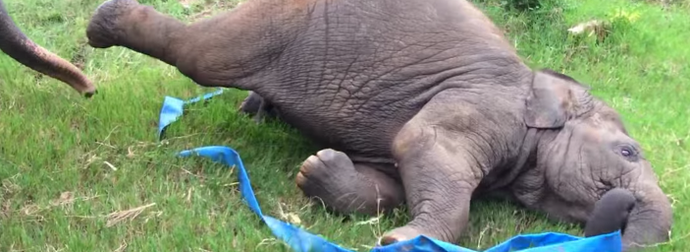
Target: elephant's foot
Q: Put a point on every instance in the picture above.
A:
(103, 28)
(140, 28)
(439, 231)
(402, 234)
(346, 188)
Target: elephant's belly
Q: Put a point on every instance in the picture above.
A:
(366, 132)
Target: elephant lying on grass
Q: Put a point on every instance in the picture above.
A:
(15, 44)
(422, 102)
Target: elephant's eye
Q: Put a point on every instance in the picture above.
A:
(628, 152)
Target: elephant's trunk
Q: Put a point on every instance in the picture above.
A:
(651, 219)
(15, 44)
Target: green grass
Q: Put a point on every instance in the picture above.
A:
(67, 163)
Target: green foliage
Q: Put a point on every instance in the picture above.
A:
(70, 167)
(523, 5)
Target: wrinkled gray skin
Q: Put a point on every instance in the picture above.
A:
(15, 44)
(422, 102)
(610, 213)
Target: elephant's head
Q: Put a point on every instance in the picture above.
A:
(584, 151)
(22, 49)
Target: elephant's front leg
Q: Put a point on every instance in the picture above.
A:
(439, 174)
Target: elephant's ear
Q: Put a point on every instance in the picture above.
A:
(554, 99)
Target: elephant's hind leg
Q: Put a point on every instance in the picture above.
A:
(331, 177)
(222, 50)
(138, 27)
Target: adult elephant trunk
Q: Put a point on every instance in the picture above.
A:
(15, 44)
(650, 220)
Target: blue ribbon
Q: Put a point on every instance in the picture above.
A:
(303, 241)
(174, 108)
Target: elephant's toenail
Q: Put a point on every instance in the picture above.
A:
(300, 179)
(387, 240)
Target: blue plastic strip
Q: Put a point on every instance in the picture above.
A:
(302, 241)
(174, 108)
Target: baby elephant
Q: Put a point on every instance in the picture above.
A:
(610, 213)
(422, 103)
